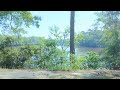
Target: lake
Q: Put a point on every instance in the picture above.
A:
(84, 50)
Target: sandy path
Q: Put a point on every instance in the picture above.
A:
(16, 74)
(43, 74)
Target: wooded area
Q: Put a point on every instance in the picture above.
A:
(52, 53)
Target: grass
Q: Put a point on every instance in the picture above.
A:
(44, 74)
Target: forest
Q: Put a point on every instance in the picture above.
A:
(19, 52)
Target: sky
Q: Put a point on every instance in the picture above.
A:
(83, 21)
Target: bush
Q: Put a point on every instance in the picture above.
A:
(44, 56)
(16, 57)
(75, 62)
(9, 58)
(110, 60)
(92, 60)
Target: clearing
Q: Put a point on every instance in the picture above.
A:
(44, 74)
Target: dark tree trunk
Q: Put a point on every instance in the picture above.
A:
(72, 48)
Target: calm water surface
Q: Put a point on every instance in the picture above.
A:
(84, 50)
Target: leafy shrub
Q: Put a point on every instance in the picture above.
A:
(92, 60)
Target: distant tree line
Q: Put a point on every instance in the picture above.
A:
(91, 38)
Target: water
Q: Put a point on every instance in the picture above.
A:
(81, 50)
(84, 50)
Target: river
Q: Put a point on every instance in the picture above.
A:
(84, 50)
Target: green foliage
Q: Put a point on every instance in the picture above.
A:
(38, 52)
(90, 38)
(12, 25)
(85, 62)
(25, 17)
(111, 28)
(60, 37)
(45, 55)
(51, 56)
(92, 60)
(75, 62)
(13, 57)
(78, 38)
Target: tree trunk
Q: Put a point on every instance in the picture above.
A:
(72, 48)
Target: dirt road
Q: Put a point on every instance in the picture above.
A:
(43, 74)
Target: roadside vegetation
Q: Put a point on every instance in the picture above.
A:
(18, 52)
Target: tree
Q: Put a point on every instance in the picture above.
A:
(60, 37)
(79, 38)
(111, 36)
(72, 48)
(13, 25)
(90, 38)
